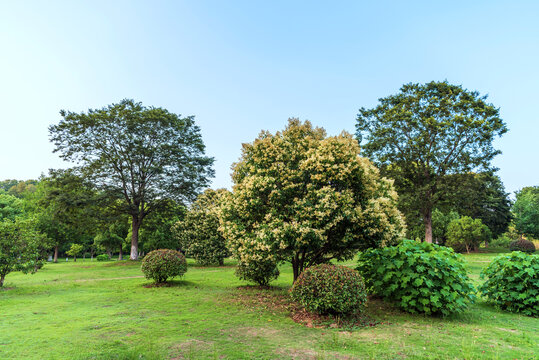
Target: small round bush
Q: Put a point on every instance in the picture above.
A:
(163, 264)
(419, 277)
(261, 272)
(102, 257)
(330, 289)
(513, 282)
(522, 245)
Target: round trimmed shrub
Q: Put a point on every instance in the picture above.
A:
(513, 282)
(522, 245)
(330, 289)
(163, 264)
(419, 277)
(102, 257)
(261, 272)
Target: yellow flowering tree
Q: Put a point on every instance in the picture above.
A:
(303, 197)
(198, 233)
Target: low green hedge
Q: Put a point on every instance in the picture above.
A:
(330, 289)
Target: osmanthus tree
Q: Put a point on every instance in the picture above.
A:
(424, 133)
(198, 232)
(303, 197)
(144, 155)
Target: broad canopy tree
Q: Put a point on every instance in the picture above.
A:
(424, 133)
(143, 155)
(306, 198)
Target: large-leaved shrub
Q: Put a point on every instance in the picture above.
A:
(330, 289)
(163, 264)
(513, 282)
(419, 277)
(522, 245)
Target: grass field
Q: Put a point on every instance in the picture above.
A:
(91, 310)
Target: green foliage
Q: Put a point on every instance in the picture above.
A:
(163, 264)
(144, 156)
(513, 282)
(258, 270)
(425, 132)
(522, 245)
(75, 250)
(198, 233)
(440, 223)
(10, 207)
(420, 277)
(20, 247)
(526, 209)
(306, 198)
(330, 289)
(102, 257)
(465, 234)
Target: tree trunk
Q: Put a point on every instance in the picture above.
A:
(295, 266)
(427, 220)
(134, 238)
(74, 258)
(55, 254)
(120, 256)
(2, 277)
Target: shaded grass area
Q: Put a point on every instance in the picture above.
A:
(91, 310)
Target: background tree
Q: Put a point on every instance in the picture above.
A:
(19, 247)
(526, 210)
(75, 250)
(141, 154)
(10, 207)
(198, 233)
(65, 208)
(303, 197)
(157, 232)
(465, 234)
(424, 133)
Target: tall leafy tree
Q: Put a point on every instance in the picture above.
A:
(145, 155)
(424, 133)
(526, 210)
(303, 197)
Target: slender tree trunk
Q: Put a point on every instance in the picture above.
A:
(55, 254)
(295, 266)
(74, 258)
(2, 277)
(427, 220)
(120, 256)
(134, 238)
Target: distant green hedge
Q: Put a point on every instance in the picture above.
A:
(102, 257)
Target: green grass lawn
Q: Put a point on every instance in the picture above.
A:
(91, 310)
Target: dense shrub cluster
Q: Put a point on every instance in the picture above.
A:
(522, 245)
(513, 282)
(420, 277)
(102, 257)
(260, 271)
(330, 289)
(163, 264)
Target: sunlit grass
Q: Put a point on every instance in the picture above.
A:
(92, 310)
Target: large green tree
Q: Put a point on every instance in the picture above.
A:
(424, 133)
(303, 197)
(145, 155)
(526, 210)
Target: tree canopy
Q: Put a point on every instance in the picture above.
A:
(424, 133)
(143, 155)
(307, 198)
(526, 211)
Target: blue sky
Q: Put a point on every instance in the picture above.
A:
(244, 66)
